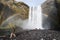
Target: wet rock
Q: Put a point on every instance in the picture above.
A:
(51, 8)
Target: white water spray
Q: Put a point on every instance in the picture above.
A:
(35, 17)
(33, 22)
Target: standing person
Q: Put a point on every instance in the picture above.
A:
(12, 35)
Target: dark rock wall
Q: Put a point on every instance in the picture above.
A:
(1, 7)
(58, 9)
(13, 14)
(7, 9)
(49, 7)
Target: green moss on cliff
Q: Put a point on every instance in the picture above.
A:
(12, 7)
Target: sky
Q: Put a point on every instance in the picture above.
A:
(32, 2)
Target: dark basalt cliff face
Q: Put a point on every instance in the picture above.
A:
(12, 13)
(51, 8)
(11, 7)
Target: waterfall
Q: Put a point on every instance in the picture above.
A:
(33, 22)
(35, 17)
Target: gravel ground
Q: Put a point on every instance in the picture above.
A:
(39, 35)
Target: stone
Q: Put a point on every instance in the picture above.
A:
(51, 8)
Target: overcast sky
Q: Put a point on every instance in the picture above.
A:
(32, 2)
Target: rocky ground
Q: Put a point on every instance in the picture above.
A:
(38, 35)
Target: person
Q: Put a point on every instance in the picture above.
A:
(12, 35)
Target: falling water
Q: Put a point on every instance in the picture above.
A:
(33, 22)
(35, 17)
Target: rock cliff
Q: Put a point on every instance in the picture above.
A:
(51, 8)
(11, 7)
